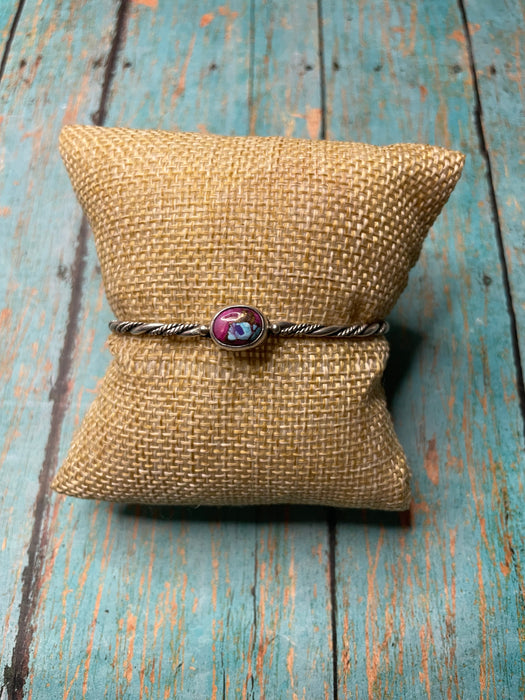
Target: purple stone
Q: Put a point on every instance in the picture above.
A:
(238, 327)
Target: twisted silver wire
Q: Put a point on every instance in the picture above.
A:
(363, 330)
(158, 329)
(282, 328)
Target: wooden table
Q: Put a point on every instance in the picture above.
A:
(114, 601)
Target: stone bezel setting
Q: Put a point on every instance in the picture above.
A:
(237, 345)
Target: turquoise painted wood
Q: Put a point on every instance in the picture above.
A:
(7, 18)
(431, 608)
(498, 45)
(184, 66)
(287, 71)
(102, 600)
(38, 230)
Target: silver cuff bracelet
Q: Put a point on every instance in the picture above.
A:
(244, 327)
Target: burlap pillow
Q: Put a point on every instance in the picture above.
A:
(306, 231)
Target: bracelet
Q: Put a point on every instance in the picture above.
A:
(245, 327)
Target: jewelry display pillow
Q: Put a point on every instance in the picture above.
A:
(286, 231)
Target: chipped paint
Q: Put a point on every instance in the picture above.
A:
(313, 122)
(181, 84)
(206, 19)
(432, 461)
(153, 4)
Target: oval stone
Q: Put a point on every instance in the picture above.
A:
(238, 327)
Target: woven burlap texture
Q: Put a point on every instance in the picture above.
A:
(306, 231)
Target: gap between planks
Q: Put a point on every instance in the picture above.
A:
(12, 31)
(15, 675)
(478, 120)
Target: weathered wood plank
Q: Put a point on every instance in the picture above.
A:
(39, 234)
(197, 57)
(429, 606)
(293, 646)
(498, 44)
(8, 10)
(287, 78)
(144, 603)
(213, 601)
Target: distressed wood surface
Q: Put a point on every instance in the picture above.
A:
(8, 17)
(431, 608)
(498, 50)
(287, 71)
(102, 600)
(38, 236)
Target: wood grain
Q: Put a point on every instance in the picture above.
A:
(286, 68)
(39, 232)
(184, 67)
(430, 607)
(498, 49)
(8, 10)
